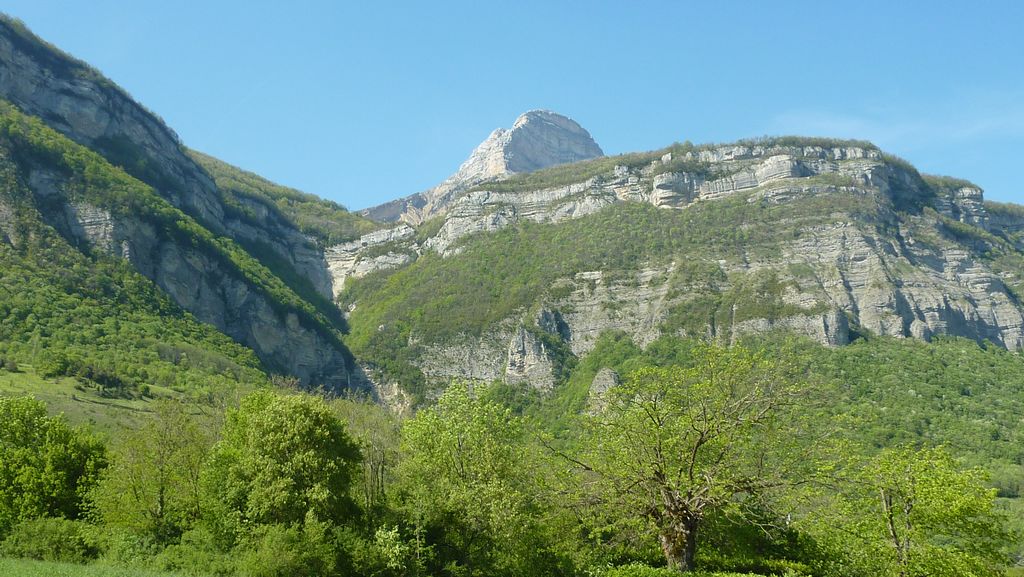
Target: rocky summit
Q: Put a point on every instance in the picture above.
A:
(538, 139)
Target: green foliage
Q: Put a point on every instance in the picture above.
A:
(916, 512)
(479, 511)
(98, 320)
(50, 539)
(32, 568)
(287, 551)
(280, 459)
(46, 467)
(328, 222)
(1007, 209)
(378, 433)
(641, 570)
(805, 141)
(673, 446)
(946, 185)
(502, 274)
(152, 485)
(91, 178)
(195, 553)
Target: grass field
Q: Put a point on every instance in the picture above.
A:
(27, 568)
(81, 405)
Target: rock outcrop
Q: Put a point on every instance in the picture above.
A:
(538, 139)
(898, 273)
(379, 250)
(199, 283)
(87, 108)
(77, 101)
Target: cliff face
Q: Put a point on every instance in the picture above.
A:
(79, 103)
(89, 109)
(538, 139)
(871, 247)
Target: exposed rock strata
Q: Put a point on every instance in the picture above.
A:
(538, 139)
(914, 284)
(90, 110)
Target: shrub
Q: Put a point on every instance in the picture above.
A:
(46, 466)
(287, 550)
(51, 539)
(196, 554)
(641, 570)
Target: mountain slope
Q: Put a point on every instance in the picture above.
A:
(829, 239)
(69, 308)
(248, 270)
(102, 210)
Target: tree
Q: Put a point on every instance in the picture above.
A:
(153, 483)
(912, 513)
(46, 467)
(282, 459)
(468, 480)
(674, 445)
(377, 430)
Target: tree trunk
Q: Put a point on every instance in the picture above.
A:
(679, 544)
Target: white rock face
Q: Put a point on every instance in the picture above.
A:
(356, 259)
(529, 362)
(93, 224)
(605, 380)
(856, 272)
(538, 139)
(7, 232)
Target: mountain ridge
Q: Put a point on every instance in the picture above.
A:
(538, 139)
(84, 107)
(510, 273)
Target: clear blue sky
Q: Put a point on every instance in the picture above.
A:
(362, 102)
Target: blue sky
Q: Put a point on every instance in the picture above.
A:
(363, 102)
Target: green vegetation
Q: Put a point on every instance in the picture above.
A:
(501, 274)
(269, 438)
(1007, 209)
(97, 320)
(46, 467)
(805, 141)
(673, 447)
(720, 461)
(27, 143)
(917, 512)
(30, 568)
(328, 222)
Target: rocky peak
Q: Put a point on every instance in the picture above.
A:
(538, 139)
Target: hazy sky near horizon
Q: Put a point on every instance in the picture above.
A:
(364, 102)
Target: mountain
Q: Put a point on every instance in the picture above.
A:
(234, 260)
(538, 139)
(516, 266)
(829, 239)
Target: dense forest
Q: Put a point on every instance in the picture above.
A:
(771, 457)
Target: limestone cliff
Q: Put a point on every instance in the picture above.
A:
(892, 254)
(538, 139)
